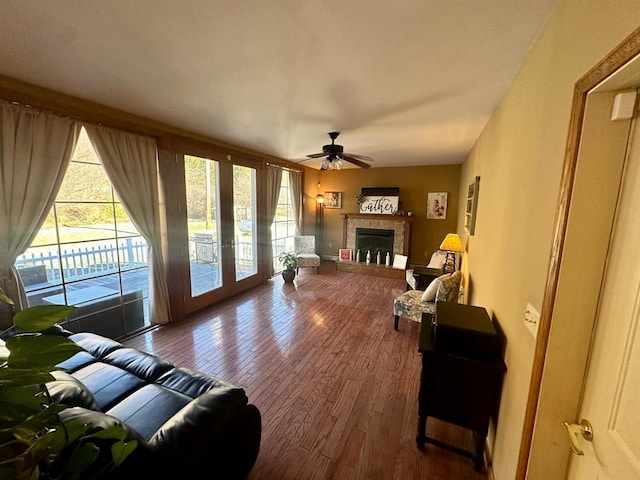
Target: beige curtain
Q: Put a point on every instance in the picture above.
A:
(295, 190)
(35, 149)
(274, 182)
(131, 163)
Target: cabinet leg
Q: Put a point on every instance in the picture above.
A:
(478, 452)
(422, 432)
(396, 319)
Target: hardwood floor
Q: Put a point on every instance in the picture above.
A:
(336, 385)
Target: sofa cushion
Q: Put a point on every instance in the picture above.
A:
(68, 390)
(148, 408)
(190, 382)
(96, 421)
(77, 361)
(144, 365)
(108, 383)
(95, 344)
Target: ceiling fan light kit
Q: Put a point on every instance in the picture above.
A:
(331, 164)
(335, 156)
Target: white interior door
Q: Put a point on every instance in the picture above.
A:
(612, 391)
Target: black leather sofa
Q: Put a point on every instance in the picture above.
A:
(186, 422)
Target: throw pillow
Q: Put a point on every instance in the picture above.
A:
(449, 288)
(429, 294)
(437, 259)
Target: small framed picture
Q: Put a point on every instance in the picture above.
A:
(400, 261)
(437, 205)
(332, 199)
(472, 206)
(345, 255)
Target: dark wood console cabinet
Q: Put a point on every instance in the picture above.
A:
(456, 388)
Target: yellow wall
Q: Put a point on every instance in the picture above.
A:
(414, 184)
(519, 158)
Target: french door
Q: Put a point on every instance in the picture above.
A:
(223, 229)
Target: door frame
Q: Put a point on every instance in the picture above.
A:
(230, 286)
(171, 162)
(559, 290)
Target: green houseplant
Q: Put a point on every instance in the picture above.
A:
(35, 443)
(289, 261)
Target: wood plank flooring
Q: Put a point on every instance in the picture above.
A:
(336, 385)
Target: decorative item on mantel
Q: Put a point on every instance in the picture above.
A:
(382, 200)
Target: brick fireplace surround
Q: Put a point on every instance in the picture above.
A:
(400, 224)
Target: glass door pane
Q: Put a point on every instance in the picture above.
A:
(244, 221)
(203, 221)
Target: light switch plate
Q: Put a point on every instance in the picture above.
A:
(531, 320)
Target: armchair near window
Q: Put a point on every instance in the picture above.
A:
(413, 303)
(305, 248)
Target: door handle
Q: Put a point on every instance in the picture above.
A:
(577, 430)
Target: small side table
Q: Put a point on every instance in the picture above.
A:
(422, 276)
(458, 389)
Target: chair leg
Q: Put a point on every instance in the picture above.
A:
(396, 318)
(318, 269)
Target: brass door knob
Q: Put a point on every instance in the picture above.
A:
(577, 430)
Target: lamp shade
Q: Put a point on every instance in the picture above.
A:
(320, 198)
(452, 243)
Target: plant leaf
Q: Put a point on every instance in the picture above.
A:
(67, 433)
(121, 450)
(17, 404)
(41, 317)
(115, 432)
(40, 352)
(46, 420)
(80, 460)
(12, 377)
(5, 298)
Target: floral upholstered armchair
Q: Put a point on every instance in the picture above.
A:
(305, 248)
(413, 303)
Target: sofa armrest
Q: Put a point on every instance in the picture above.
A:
(202, 421)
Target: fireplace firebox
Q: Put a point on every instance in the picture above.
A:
(374, 240)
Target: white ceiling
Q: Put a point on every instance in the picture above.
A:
(406, 82)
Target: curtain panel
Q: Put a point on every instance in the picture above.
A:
(35, 150)
(131, 163)
(274, 182)
(295, 190)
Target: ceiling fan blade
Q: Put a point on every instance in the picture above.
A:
(359, 157)
(355, 161)
(317, 155)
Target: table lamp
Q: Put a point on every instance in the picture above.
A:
(451, 244)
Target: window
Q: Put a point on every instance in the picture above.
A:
(203, 223)
(89, 254)
(283, 228)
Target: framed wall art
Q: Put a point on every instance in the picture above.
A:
(437, 205)
(345, 254)
(472, 206)
(332, 199)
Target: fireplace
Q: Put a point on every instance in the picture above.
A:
(374, 240)
(382, 233)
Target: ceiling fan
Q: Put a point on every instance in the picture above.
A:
(335, 155)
